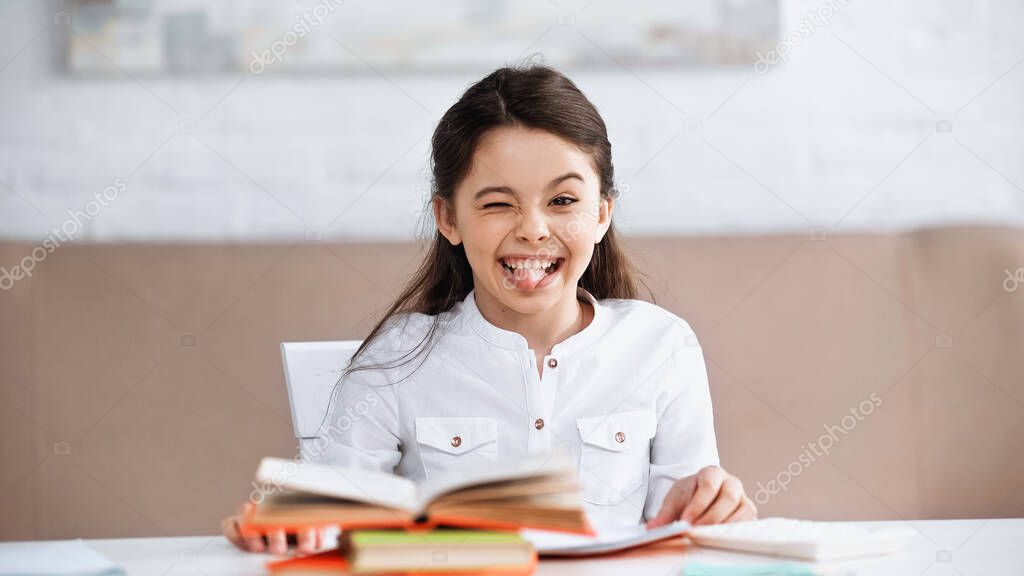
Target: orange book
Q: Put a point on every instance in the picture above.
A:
(541, 492)
(327, 562)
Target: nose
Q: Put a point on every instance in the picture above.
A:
(533, 227)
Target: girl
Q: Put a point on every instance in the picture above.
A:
(520, 332)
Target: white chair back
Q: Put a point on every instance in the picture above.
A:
(311, 371)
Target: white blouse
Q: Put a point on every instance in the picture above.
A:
(627, 397)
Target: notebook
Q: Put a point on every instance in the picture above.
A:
(805, 539)
(537, 492)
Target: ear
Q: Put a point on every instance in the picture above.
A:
(444, 216)
(604, 217)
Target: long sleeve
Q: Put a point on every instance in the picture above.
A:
(685, 439)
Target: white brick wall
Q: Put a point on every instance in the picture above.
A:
(795, 148)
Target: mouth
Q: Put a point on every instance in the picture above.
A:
(529, 273)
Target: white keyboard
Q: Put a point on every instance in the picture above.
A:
(818, 541)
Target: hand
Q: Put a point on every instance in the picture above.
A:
(275, 541)
(710, 496)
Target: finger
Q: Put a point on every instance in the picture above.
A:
(672, 506)
(252, 543)
(227, 526)
(730, 497)
(307, 540)
(329, 535)
(230, 528)
(709, 481)
(255, 543)
(278, 541)
(746, 511)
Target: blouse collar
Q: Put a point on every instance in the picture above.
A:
(515, 341)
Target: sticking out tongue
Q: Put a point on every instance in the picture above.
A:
(527, 279)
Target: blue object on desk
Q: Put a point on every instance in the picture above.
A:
(55, 558)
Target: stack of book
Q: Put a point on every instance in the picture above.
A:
(463, 522)
(435, 552)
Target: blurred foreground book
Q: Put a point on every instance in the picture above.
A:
(436, 552)
(536, 492)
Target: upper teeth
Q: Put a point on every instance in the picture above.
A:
(532, 264)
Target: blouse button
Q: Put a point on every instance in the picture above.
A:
(552, 363)
(620, 437)
(457, 441)
(539, 423)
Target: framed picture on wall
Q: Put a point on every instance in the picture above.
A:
(343, 36)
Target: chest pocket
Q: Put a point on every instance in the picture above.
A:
(615, 454)
(447, 443)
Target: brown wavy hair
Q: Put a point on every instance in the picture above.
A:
(532, 97)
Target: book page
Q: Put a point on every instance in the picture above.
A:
(531, 468)
(609, 540)
(368, 486)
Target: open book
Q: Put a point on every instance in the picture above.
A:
(540, 492)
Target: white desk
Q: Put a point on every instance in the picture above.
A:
(942, 547)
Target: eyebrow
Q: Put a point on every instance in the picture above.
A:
(508, 190)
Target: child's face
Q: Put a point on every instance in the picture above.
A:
(532, 202)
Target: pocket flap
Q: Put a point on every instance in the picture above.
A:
(620, 431)
(456, 435)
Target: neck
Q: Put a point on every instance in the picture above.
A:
(541, 330)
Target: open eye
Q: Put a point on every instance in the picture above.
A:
(563, 201)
